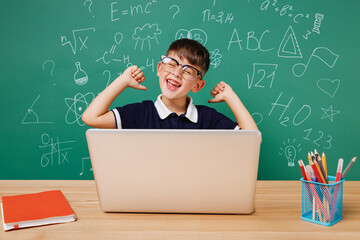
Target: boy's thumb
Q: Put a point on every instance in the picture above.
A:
(141, 87)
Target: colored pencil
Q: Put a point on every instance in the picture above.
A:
(339, 169)
(348, 167)
(324, 163)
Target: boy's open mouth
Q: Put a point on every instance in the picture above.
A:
(172, 85)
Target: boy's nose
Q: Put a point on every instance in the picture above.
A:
(178, 71)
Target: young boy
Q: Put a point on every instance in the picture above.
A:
(180, 71)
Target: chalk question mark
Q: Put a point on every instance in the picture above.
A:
(52, 66)
(90, 4)
(178, 10)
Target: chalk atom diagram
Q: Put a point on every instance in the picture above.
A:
(77, 106)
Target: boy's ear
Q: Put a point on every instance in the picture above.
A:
(198, 86)
(158, 69)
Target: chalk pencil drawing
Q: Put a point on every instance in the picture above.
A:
(77, 106)
(328, 86)
(146, 33)
(31, 117)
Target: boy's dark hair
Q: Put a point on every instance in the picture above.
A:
(191, 50)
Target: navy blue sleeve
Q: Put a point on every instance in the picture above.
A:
(130, 116)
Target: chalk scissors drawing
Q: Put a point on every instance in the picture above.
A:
(31, 117)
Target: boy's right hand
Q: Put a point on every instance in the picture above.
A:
(133, 76)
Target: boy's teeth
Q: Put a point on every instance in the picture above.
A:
(173, 83)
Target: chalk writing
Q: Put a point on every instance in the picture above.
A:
(309, 137)
(252, 42)
(218, 17)
(132, 10)
(261, 76)
(89, 8)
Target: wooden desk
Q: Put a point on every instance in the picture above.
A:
(277, 216)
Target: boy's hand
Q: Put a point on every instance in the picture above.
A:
(133, 77)
(221, 92)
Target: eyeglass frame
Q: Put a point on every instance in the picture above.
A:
(183, 66)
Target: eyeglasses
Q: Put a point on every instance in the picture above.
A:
(189, 73)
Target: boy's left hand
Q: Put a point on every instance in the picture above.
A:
(220, 92)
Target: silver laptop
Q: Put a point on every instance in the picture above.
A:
(175, 171)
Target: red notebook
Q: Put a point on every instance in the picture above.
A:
(36, 209)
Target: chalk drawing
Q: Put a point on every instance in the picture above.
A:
(31, 117)
(109, 76)
(80, 75)
(57, 152)
(317, 24)
(289, 46)
(290, 149)
(83, 165)
(194, 34)
(75, 35)
(77, 106)
(322, 53)
(329, 113)
(145, 34)
(215, 58)
(328, 86)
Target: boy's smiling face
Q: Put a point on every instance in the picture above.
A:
(173, 86)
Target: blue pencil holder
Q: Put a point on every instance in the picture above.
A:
(322, 203)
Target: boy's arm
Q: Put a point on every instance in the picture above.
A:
(97, 114)
(222, 92)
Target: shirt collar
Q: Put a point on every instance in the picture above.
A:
(164, 112)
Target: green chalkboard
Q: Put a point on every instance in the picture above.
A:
(294, 64)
